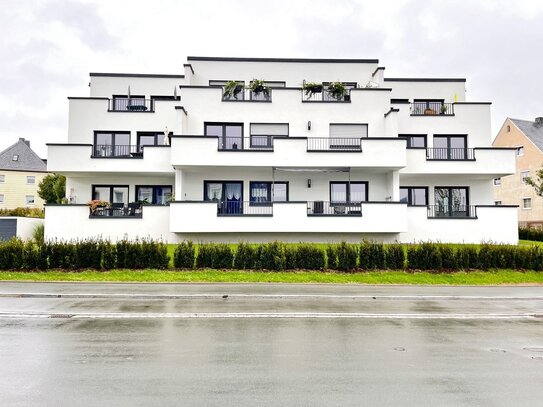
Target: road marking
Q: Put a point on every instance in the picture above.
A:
(285, 315)
(266, 296)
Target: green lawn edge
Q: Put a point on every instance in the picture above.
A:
(492, 277)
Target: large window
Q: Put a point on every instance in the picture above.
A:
(414, 140)
(111, 144)
(451, 201)
(228, 194)
(154, 194)
(155, 138)
(263, 192)
(343, 191)
(230, 135)
(450, 147)
(262, 134)
(111, 193)
(414, 196)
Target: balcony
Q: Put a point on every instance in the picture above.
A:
(133, 104)
(291, 217)
(247, 95)
(190, 151)
(452, 212)
(117, 151)
(77, 158)
(130, 211)
(326, 96)
(324, 208)
(450, 154)
(431, 108)
(244, 208)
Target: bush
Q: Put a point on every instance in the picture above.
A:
(109, 254)
(245, 257)
(11, 254)
(467, 257)
(204, 258)
(38, 234)
(222, 256)
(184, 255)
(449, 260)
(530, 234)
(331, 257)
(309, 257)
(394, 257)
(272, 256)
(346, 256)
(371, 256)
(424, 256)
(291, 258)
(23, 212)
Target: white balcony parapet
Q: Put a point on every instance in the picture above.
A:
(78, 158)
(287, 217)
(188, 151)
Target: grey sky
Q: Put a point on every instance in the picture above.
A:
(49, 47)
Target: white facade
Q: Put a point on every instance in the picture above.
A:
(388, 159)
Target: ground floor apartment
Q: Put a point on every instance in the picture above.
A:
(282, 203)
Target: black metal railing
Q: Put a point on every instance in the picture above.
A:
(257, 143)
(108, 150)
(450, 154)
(120, 210)
(325, 208)
(452, 211)
(325, 96)
(334, 144)
(248, 95)
(432, 109)
(233, 207)
(131, 105)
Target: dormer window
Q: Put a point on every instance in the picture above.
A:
(15, 157)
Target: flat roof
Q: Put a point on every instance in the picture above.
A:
(305, 60)
(425, 79)
(135, 75)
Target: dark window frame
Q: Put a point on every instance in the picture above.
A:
(222, 138)
(454, 187)
(207, 181)
(410, 194)
(110, 186)
(270, 183)
(155, 134)
(137, 187)
(269, 136)
(408, 137)
(450, 155)
(348, 191)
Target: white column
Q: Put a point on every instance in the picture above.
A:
(178, 185)
(393, 181)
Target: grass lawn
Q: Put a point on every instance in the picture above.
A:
(236, 276)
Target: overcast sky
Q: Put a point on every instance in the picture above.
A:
(49, 47)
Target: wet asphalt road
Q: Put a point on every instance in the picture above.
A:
(180, 344)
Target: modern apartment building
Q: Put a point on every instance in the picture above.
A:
(526, 137)
(260, 149)
(21, 171)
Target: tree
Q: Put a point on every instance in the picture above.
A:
(52, 188)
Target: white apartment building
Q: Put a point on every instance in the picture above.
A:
(325, 150)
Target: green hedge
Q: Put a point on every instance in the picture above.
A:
(530, 234)
(274, 256)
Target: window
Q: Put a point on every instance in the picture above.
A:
(263, 192)
(449, 147)
(30, 180)
(520, 151)
(414, 196)
(348, 130)
(111, 193)
(124, 103)
(262, 134)
(230, 135)
(112, 144)
(497, 203)
(1, 198)
(527, 203)
(29, 199)
(508, 128)
(154, 194)
(451, 201)
(497, 181)
(524, 175)
(228, 195)
(15, 157)
(154, 138)
(2, 179)
(414, 140)
(342, 191)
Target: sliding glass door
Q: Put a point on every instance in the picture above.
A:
(450, 147)
(230, 135)
(227, 194)
(451, 201)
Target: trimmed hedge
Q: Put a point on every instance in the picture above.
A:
(530, 234)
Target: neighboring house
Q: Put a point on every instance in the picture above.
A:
(526, 137)
(215, 155)
(21, 171)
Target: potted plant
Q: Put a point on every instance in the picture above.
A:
(443, 109)
(258, 86)
(97, 203)
(232, 90)
(310, 88)
(337, 90)
(429, 111)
